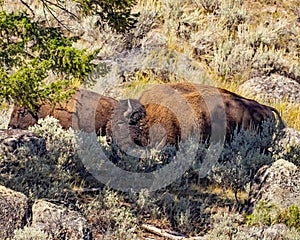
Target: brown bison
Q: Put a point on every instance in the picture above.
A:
(169, 113)
(78, 113)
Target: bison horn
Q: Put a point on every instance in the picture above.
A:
(129, 110)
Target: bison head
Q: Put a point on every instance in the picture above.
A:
(22, 118)
(125, 125)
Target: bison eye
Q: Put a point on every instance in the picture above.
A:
(23, 112)
(134, 117)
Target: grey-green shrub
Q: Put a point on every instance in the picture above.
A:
(61, 145)
(225, 226)
(230, 226)
(46, 176)
(232, 13)
(242, 158)
(57, 139)
(115, 221)
(232, 59)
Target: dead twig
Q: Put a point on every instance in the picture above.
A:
(167, 233)
(163, 233)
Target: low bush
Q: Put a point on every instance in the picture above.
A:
(269, 214)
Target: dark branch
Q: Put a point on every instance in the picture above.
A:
(27, 6)
(60, 6)
(46, 6)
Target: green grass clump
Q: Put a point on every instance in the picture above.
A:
(268, 214)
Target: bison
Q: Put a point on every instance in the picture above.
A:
(75, 113)
(168, 113)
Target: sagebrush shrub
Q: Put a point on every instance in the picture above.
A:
(227, 226)
(113, 220)
(48, 175)
(243, 157)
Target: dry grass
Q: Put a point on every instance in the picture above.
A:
(290, 113)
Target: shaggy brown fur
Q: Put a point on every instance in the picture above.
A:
(155, 124)
(70, 113)
(240, 112)
(172, 111)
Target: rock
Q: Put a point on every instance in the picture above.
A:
(59, 222)
(31, 233)
(13, 210)
(5, 117)
(25, 165)
(278, 184)
(288, 137)
(13, 140)
(287, 146)
(55, 220)
(276, 231)
(273, 88)
(229, 226)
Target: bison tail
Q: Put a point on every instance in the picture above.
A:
(281, 124)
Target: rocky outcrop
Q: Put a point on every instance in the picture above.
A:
(13, 209)
(59, 221)
(278, 184)
(276, 231)
(287, 145)
(23, 157)
(288, 137)
(228, 226)
(15, 140)
(273, 88)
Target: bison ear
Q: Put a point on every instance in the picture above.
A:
(23, 111)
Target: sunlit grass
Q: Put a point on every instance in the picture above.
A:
(290, 114)
(140, 82)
